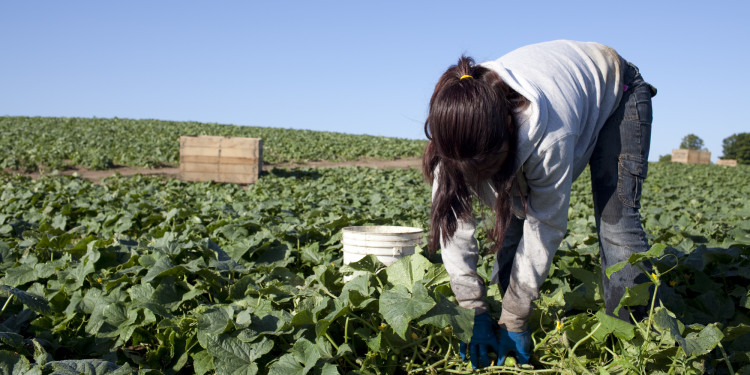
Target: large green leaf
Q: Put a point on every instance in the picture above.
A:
(164, 267)
(34, 302)
(410, 269)
(638, 295)
(329, 369)
(116, 320)
(12, 339)
(312, 254)
(369, 263)
(373, 340)
(733, 332)
(579, 326)
(666, 323)
(656, 251)
(86, 367)
(340, 308)
(704, 341)
(20, 275)
(287, 365)
(14, 364)
(302, 359)
(399, 306)
(611, 325)
(235, 357)
(85, 267)
(167, 294)
(213, 321)
(141, 293)
(275, 323)
(448, 314)
(203, 362)
(358, 292)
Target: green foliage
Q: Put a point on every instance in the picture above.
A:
(151, 275)
(737, 146)
(31, 143)
(665, 158)
(691, 142)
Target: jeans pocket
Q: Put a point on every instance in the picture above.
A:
(631, 172)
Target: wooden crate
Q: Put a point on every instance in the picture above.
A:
(727, 162)
(691, 156)
(221, 159)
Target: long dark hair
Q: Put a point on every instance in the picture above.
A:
(472, 138)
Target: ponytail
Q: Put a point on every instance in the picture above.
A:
(469, 122)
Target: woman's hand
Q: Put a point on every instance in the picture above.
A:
(483, 340)
(517, 342)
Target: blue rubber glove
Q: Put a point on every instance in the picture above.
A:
(483, 340)
(517, 342)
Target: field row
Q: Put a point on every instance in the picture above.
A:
(31, 143)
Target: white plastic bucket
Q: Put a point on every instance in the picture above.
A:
(388, 243)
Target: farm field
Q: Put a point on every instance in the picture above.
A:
(153, 275)
(33, 143)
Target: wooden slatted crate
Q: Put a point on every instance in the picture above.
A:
(221, 159)
(691, 156)
(727, 162)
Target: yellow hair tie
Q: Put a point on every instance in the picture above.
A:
(465, 76)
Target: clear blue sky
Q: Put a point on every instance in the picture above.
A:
(352, 66)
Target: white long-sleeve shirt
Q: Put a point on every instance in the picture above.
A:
(572, 88)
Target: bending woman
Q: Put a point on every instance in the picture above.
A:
(515, 133)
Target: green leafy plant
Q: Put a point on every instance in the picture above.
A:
(49, 143)
(151, 275)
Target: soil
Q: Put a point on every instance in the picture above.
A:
(174, 172)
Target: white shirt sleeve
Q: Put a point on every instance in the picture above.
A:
(460, 256)
(549, 179)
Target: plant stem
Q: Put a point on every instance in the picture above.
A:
(724, 353)
(379, 282)
(651, 311)
(448, 352)
(493, 369)
(7, 301)
(354, 365)
(647, 333)
(332, 342)
(523, 371)
(413, 357)
(346, 330)
(365, 322)
(431, 368)
(326, 291)
(349, 361)
(412, 344)
(429, 339)
(573, 349)
(544, 362)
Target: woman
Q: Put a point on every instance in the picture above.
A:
(516, 132)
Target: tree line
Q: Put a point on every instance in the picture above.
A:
(736, 146)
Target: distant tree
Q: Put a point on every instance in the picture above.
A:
(692, 142)
(737, 146)
(665, 158)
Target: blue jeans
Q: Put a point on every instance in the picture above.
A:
(618, 167)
